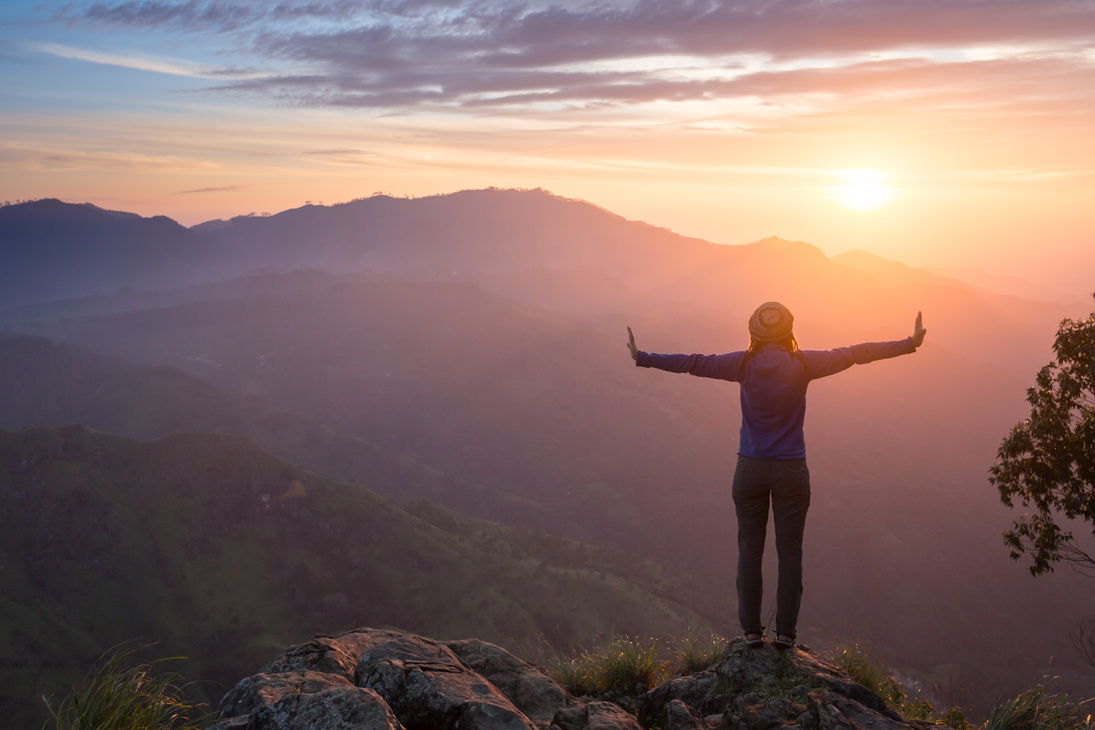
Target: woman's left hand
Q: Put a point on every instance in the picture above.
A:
(918, 330)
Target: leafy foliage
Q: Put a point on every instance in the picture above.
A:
(120, 695)
(1047, 462)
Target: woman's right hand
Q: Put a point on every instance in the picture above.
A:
(631, 345)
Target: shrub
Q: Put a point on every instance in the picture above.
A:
(121, 697)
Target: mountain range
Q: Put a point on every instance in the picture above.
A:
(468, 350)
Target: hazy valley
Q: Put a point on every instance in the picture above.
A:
(468, 351)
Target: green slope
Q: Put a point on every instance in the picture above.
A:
(218, 551)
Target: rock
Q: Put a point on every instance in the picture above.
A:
(390, 680)
(263, 690)
(607, 716)
(429, 688)
(338, 708)
(594, 716)
(836, 711)
(337, 654)
(693, 690)
(529, 689)
(679, 716)
(761, 689)
(303, 701)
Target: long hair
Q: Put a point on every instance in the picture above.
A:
(789, 343)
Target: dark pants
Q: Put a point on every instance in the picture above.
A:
(786, 484)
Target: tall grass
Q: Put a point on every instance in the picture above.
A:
(1039, 708)
(123, 695)
(875, 678)
(623, 664)
(695, 654)
(626, 663)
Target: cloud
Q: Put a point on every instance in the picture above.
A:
(478, 54)
(337, 152)
(27, 157)
(141, 63)
(226, 189)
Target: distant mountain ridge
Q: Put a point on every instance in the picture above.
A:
(486, 340)
(45, 244)
(53, 250)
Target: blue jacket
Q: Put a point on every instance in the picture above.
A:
(773, 386)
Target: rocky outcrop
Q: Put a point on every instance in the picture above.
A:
(384, 680)
(766, 689)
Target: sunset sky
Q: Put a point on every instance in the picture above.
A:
(949, 133)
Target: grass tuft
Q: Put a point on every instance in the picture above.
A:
(121, 695)
(1040, 709)
(574, 674)
(695, 654)
(875, 678)
(629, 662)
(622, 664)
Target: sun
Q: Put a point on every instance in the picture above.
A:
(861, 190)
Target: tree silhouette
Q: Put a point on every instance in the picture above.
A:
(1047, 462)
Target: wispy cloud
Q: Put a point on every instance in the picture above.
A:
(74, 158)
(483, 54)
(141, 63)
(226, 189)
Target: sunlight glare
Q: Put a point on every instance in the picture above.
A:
(862, 189)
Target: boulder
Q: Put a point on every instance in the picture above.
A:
(303, 701)
(527, 686)
(764, 688)
(429, 688)
(334, 654)
(263, 690)
(594, 716)
(678, 716)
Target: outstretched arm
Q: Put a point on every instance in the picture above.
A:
(822, 363)
(726, 367)
(918, 330)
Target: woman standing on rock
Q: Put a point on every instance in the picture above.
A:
(773, 374)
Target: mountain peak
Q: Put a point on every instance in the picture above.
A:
(785, 246)
(54, 210)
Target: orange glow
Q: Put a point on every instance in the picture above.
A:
(862, 190)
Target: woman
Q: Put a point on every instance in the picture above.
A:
(773, 374)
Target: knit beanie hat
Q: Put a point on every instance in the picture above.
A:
(772, 321)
